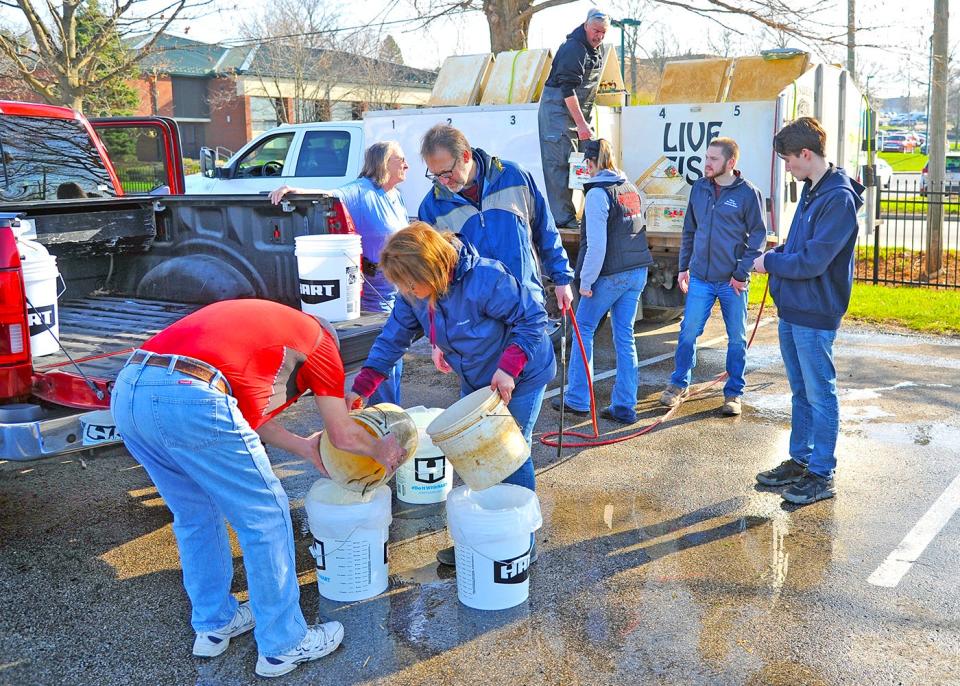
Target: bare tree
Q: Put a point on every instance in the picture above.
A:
(641, 11)
(291, 56)
(378, 80)
(509, 20)
(302, 55)
(62, 65)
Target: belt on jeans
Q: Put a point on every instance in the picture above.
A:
(185, 365)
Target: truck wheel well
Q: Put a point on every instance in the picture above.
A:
(199, 279)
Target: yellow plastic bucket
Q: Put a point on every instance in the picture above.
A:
(480, 438)
(362, 473)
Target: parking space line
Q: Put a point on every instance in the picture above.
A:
(650, 360)
(899, 562)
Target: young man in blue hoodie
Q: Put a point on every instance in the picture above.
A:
(811, 276)
(723, 232)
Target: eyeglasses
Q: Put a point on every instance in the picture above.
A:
(444, 175)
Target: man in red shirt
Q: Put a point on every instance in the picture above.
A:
(195, 406)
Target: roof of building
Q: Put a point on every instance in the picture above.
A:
(180, 56)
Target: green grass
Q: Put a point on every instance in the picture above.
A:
(916, 308)
(905, 161)
(916, 204)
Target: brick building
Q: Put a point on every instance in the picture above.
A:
(223, 96)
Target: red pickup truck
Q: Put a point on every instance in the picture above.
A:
(131, 262)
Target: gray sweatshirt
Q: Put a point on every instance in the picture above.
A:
(595, 213)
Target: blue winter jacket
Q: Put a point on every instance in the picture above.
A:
(485, 310)
(513, 218)
(722, 233)
(811, 275)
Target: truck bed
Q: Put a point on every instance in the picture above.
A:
(99, 332)
(107, 327)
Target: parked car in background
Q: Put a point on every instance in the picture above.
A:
(951, 176)
(899, 142)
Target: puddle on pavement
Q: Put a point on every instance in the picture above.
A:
(939, 436)
(777, 407)
(624, 586)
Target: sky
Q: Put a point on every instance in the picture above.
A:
(900, 27)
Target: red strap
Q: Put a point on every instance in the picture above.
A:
(433, 328)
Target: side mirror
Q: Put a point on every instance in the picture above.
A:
(208, 163)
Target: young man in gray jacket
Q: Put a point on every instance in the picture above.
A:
(723, 232)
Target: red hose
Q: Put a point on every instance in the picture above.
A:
(593, 440)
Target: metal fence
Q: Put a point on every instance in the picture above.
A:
(140, 179)
(898, 249)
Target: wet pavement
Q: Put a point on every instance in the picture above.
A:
(660, 560)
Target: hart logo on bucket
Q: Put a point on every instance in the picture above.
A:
(429, 470)
(320, 554)
(316, 292)
(41, 318)
(511, 571)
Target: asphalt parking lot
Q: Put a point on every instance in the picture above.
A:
(660, 560)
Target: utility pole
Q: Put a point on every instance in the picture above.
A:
(936, 140)
(852, 39)
(623, 25)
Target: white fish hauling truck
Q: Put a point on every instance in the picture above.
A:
(659, 145)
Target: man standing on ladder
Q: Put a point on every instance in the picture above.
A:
(566, 107)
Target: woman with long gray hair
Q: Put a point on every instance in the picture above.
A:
(378, 212)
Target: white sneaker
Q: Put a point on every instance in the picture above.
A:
(213, 643)
(321, 639)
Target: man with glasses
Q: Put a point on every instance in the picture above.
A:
(496, 206)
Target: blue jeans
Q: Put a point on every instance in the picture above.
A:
(815, 419)
(389, 389)
(208, 464)
(700, 299)
(526, 409)
(618, 294)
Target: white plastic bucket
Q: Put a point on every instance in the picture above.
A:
(480, 438)
(329, 268)
(40, 277)
(491, 531)
(99, 428)
(428, 477)
(350, 534)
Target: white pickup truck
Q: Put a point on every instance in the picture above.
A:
(329, 154)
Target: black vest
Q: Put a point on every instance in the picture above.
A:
(626, 233)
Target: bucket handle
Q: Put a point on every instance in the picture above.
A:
(442, 435)
(491, 559)
(63, 284)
